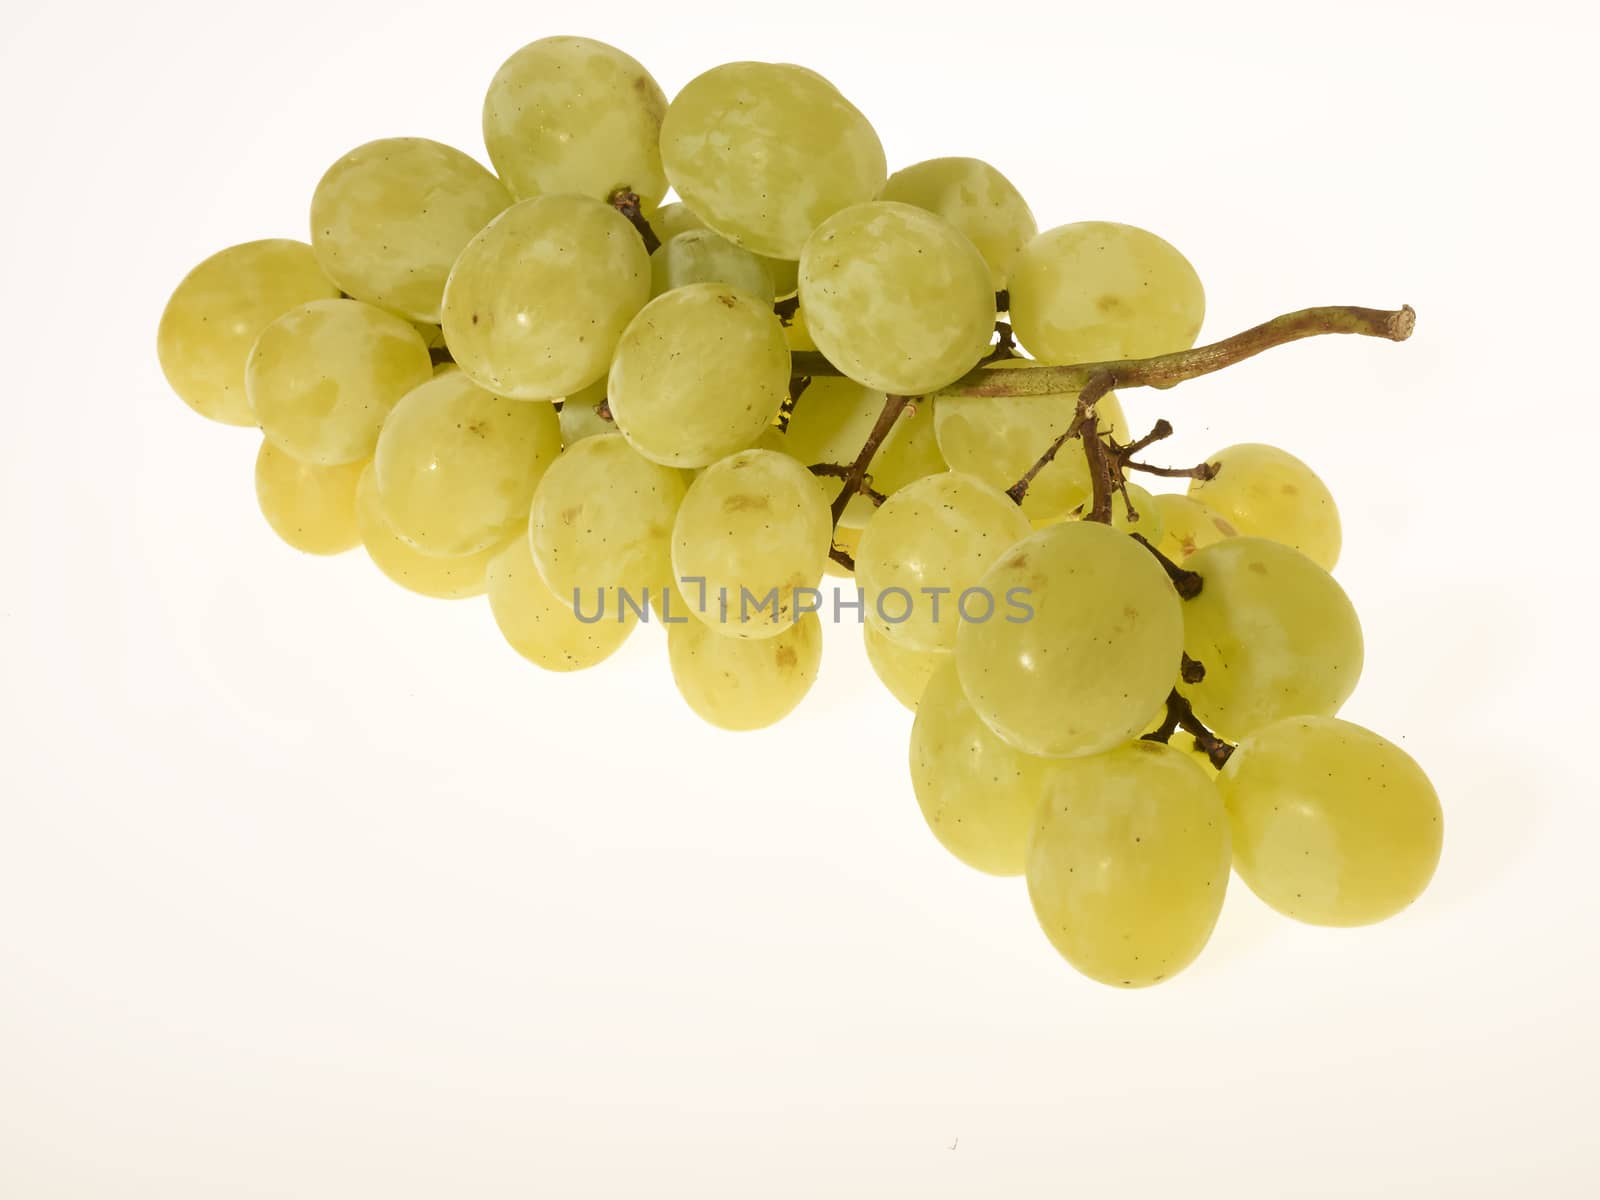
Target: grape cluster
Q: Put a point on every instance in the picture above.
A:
(547, 383)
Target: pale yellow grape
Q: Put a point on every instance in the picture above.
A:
(602, 522)
(457, 467)
(904, 671)
(1188, 525)
(785, 273)
(568, 114)
(975, 198)
(668, 221)
(389, 219)
(750, 540)
(535, 304)
(580, 414)
(1266, 492)
(312, 508)
(896, 298)
(425, 574)
(1276, 633)
(1128, 863)
(700, 373)
(979, 795)
(765, 152)
(1148, 525)
(942, 532)
(541, 626)
(700, 256)
(1084, 646)
(218, 311)
(999, 438)
(1097, 291)
(1332, 824)
(744, 683)
(323, 378)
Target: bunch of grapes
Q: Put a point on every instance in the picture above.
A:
(546, 383)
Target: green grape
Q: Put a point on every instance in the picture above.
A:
(540, 625)
(1266, 492)
(1128, 863)
(535, 304)
(390, 218)
(580, 414)
(765, 152)
(925, 547)
(999, 438)
(896, 297)
(602, 523)
(1097, 291)
(1275, 632)
(700, 373)
(749, 542)
(1188, 525)
(323, 378)
(567, 114)
(700, 256)
(785, 273)
(742, 683)
(456, 467)
(1084, 645)
(218, 311)
(904, 671)
(425, 574)
(1332, 824)
(668, 221)
(312, 508)
(974, 197)
(1148, 525)
(979, 795)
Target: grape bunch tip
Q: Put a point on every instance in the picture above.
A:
(549, 381)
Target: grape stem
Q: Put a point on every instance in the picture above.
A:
(626, 201)
(840, 471)
(797, 386)
(1186, 583)
(1084, 424)
(1005, 344)
(1180, 715)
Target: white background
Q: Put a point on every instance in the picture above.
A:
(311, 889)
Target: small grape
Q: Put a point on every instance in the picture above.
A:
(425, 574)
(701, 372)
(975, 198)
(323, 378)
(896, 297)
(580, 414)
(904, 671)
(569, 114)
(1266, 492)
(668, 221)
(389, 219)
(1128, 863)
(743, 683)
(1098, 291)
(1188, 525)
(540, 625)
(310, 507)
(700, 256)
(535, 305)
(456, 467)
(1332, 824)
(218, 311)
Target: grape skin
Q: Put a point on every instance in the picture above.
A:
(739, 683)
(1187, 525)
(979, 795)
(1099, 654)
(765, 152)
(896, 298)
(426, 574)
(1276, 633)
(1266, 492)
(217, 312)
(311, 508)
(753, 521)
(700, 256)
(699, 374)
(580, 415)
(977, 200)
(1097, 291)
(389, 219)
(540, 625)
(1332, 824)
(1128, 863)
(570, 114)
(456, 467)
(323, 378)
(904, 671)
(537, 301)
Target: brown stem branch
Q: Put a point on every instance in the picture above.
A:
(856, 473)
(1200, 471)
(797, 386)
(1180, 715)
(1082, 425)
(626, 202)
(1187, 583)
